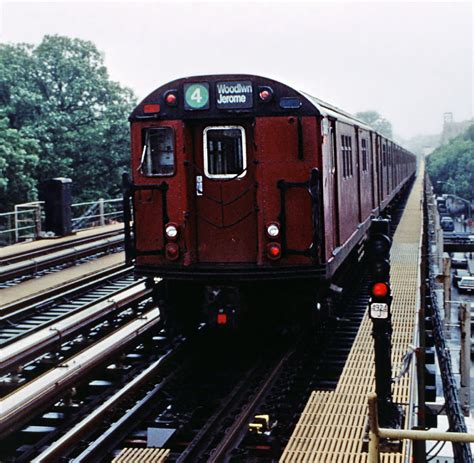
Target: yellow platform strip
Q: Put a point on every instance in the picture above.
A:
(148, 455)
(332, 425)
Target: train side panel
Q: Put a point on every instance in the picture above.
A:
(158, 199)
(286, 148)
(348, 197)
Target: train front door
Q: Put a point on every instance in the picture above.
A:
(225, 193)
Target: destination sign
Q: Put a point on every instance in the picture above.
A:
(234, 95)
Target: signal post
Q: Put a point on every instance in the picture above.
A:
(379, 311)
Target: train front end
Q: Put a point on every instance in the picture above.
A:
(225, 186)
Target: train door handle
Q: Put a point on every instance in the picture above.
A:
(199, 188)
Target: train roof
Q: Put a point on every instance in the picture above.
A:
(286, 101)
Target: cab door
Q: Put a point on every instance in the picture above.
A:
(225, 193)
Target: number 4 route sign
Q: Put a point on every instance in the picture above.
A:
(196, 96)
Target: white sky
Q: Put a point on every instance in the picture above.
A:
(409, 61)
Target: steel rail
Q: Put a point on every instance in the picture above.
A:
(55, 246)
(235, 430)
(37, 302)
(72, 437)
(30, 346)
(20, 405)
(26, 267)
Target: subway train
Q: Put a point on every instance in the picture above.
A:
(241, 187)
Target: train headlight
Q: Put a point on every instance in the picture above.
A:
(273, 230)
(171, 231)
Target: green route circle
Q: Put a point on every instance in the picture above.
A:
(196, 96)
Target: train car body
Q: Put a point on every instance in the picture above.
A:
(241, 178)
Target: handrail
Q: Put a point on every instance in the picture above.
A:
(376, 433)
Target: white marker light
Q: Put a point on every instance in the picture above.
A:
(273, 230)
(171, 231)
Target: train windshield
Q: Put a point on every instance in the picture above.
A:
(224, 152)
(158, 152)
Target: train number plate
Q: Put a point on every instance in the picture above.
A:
(378, 310)
(234, 95)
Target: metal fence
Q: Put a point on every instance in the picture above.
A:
(96, 213)
(27, 220)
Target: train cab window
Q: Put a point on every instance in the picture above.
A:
(158, 152)
(363, 142)
(224, 151)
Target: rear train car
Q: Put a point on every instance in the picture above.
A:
(238, 179)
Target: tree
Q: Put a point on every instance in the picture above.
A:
(379, 123)
(59, 93)
(453, 163)
(19, 157)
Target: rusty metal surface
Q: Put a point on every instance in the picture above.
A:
(332, 425)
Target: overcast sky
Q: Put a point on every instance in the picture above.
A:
(409, 61)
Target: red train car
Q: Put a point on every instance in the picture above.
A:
(238, 178)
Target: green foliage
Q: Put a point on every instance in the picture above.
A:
(59, 94)
(453, 163)
(379, 123)
(18, 159)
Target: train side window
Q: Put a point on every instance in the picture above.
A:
(384, 155)
(225, 153)
(364, 154)
(343, 155)
(349, 155)
(346, 151)
(158, 152)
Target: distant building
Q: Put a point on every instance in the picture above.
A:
(452, 129)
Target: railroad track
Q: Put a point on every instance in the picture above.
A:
(26, 265)
(199, 407)
(21, 308)
(22, 407)
(54, 246)
(57, 322)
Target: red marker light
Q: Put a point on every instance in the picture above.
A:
(172, 251)
(171, 99)
(380, 290)
(265, 94)
(151, 108)
(274, 251)
(222, 319)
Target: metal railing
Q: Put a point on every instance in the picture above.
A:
(23, 223)
(376, 433)
(96, 213)
(26, 221)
